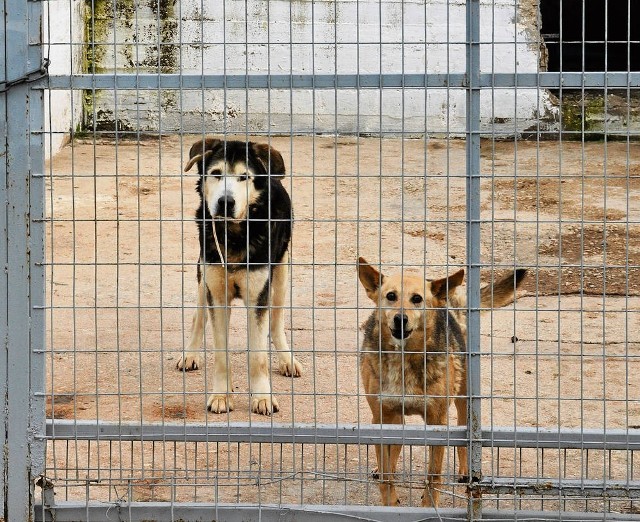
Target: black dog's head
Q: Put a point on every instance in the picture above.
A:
(233, 174)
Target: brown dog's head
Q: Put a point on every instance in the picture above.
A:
(403, 299)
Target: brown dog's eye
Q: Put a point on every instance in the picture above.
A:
(416, 299)
(391, 296)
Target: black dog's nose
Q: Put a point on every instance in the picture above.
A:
(400, 321)
(226, 204)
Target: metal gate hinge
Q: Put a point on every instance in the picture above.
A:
(29, 77)
(48, 495)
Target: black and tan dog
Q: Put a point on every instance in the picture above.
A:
(244, 223)
(413, 359)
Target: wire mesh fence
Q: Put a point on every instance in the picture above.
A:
(421, 135)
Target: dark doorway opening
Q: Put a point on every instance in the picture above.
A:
(592, 35)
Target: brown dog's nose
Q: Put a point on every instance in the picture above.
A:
(400, 321)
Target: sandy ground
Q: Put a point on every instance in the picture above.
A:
(122, 246)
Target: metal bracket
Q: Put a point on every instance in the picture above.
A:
(48, 495)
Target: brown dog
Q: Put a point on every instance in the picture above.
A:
(413, 359)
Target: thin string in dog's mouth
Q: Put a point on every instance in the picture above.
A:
(215, 238)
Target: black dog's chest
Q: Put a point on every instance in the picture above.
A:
(249, 244)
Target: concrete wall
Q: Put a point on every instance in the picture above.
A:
(276, 37)
(63, 34)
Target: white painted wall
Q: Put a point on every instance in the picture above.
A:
(63, 24)
(322, 37)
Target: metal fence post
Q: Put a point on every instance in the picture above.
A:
(474, 421)
(22, 252)
(4, 296)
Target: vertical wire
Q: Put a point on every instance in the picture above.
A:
(314, 362)
(201, 262)
(95, 241)
(606, 465)
(425, 178)
(290, 271)
(181, 264)
(116, 179)
(401, 179)
(270, 239)
(627, 309)
(359, 391)
(539, 24)
(583, 131)
(516, 391)
(250, 350)
(380, 214)
(49, 256)
(223, 351)
(561, 146)
(335, 226)
(492, 348)
(139, 253)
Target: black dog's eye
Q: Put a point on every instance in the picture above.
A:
(416, 299)
(242, 178)
(216, 173)
(391, 296)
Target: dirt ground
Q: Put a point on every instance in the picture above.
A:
(122, 247)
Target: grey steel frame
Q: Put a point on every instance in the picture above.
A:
(22, 288)
(22, 255)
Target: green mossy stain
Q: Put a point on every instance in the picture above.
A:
(583, 115)
(97, 18)
(101, 18)
(165, 57)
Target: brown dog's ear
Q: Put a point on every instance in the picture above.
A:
(271, 159)
(370, 278)
(440, 288)
(200, 150)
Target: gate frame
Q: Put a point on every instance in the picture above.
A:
(22, 285)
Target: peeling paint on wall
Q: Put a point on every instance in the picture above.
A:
(275, 37)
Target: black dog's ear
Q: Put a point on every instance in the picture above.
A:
(271, 159)
(370, 278)
(200, 151)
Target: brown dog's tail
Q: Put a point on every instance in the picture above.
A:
(502, 291)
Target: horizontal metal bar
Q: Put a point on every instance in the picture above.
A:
(570, 438)
(256, 433)
(254, 81)
(166, 511)
(565, 80)
(564, 487)
(412, 435)
(589, 80)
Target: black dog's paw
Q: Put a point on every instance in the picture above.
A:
(464, 479)
(374, 474)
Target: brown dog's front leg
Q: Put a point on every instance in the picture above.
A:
(387, 457)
